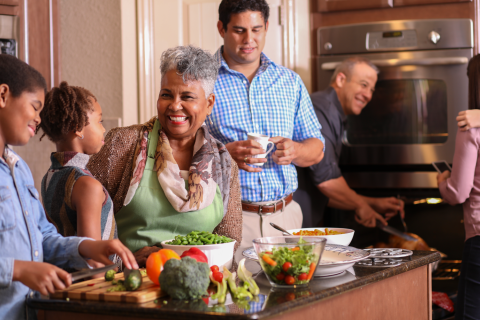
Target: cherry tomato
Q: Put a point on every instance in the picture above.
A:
(286, 266)
(280, 276)
(290, 296)
(218, 276)
(214, 268)
(289, 280)
(302, 276)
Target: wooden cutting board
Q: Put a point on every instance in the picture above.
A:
(96, 290)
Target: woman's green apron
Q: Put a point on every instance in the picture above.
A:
(150, 218)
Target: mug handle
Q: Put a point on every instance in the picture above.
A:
(273, 146)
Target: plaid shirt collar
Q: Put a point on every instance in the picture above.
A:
(265, 62)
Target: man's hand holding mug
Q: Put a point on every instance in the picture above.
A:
(286, 150)
(252, 151)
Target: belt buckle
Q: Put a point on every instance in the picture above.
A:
(266, 213)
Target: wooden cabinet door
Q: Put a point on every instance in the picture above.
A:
(341, 5)
(10, 2)
(401, 3)
(9, 7)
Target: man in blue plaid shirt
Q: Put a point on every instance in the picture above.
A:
(255, 95)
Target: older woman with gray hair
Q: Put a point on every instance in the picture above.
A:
(169, 176)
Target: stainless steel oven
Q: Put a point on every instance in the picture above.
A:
(422, 86)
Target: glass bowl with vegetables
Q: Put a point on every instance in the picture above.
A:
(218, 249)
(289, 261)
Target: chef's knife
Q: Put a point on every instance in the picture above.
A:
(91, 272)
(396, 232)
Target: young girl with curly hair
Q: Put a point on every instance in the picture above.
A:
(32, 252)
(74, 200)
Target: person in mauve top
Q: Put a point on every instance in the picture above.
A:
(256, 95)
(462, 185)
(32, 251)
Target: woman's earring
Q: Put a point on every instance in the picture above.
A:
(81, 137)
(210, 119)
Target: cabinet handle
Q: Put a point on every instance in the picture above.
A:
(407, 62)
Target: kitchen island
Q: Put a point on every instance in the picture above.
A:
(401, 292)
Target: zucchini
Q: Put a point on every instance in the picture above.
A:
(110, 275)
(133, 281)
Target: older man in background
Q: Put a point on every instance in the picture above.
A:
(351, 88)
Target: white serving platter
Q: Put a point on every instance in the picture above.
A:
(335, 259)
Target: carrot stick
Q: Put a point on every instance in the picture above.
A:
(269, 260)
(296, 249)
(312, 269)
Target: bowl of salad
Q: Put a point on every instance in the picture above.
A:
(291, 261)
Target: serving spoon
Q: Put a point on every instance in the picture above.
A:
(280, 229)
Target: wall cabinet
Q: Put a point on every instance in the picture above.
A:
(10, 7)
(344, 5)
(341, 5)
(399, 3)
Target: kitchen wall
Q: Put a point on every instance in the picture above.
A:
(91, 50)
(98, 52)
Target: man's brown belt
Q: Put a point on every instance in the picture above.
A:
(268, 208)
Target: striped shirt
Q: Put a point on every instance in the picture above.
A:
(275, 103)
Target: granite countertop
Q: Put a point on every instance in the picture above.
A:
(270, 301)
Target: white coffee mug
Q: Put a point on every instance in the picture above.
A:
(263, 140)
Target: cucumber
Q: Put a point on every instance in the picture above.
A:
(110, 275)
(133, 281)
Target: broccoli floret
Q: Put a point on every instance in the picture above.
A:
(185, 278)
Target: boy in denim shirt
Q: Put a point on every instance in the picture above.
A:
(27, 239)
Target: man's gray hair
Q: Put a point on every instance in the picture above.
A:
(193, 64)
(346, 67)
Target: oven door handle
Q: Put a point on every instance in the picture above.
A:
(443, 61)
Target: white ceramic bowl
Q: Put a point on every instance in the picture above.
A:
(341, 239)
(217, 254)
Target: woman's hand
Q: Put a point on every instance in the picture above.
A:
(100, 250)
(141, 255)
(443, 176)
(468, 119)
(40, 276)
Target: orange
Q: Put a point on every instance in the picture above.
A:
(168, 254)
(156, 261)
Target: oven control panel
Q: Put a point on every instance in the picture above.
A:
(391, 39)
(395, 36)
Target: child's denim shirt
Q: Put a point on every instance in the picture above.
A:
(26, 234)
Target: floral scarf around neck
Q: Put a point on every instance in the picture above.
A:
(211, 166)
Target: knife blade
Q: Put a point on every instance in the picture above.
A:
(91, 272)
(397, 232)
